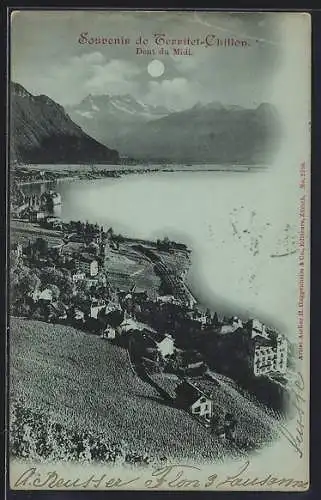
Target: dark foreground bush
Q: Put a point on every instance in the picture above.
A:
(34, 436)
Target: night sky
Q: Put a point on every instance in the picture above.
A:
(46, 57)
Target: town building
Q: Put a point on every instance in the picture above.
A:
(168, 299)
(95, 307)
(130, 324)
(79, 315)
(87, 264)
(109, 333)
(75, 238)
(93, 248)
(166, 346)
(92, 282)
(33, 202)
(271, 358)
(190, 362)
(36, 215)
(45, 295)
(194, 400)
(199, 316)
(53, 222)
(78, 276)
(234, 324)
(257, 329)
(57, 311)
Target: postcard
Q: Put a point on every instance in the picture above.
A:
(159, 250)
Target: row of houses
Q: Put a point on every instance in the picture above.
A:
(263, 349)
(268, 351)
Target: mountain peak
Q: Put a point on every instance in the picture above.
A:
(19, 90)
(119, 106)
(42, 132)
(266, 106)
(215, 105)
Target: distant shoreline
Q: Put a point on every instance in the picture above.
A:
(45, 181)
(85, 173)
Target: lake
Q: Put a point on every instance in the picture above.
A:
(240, 226)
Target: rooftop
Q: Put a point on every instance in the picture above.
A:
(86, 257)
(206, 387)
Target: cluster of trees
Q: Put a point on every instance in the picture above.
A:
(167, 245)
(84, 227)
(164, 244)
(176, 318)
(25, 281)
(17, 196)
(183, 361)
(39, 248)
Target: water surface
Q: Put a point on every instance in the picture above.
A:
(231, 221)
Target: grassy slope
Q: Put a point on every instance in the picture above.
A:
(86, 383)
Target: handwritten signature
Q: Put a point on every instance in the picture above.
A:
(33, 478)
(169, 477)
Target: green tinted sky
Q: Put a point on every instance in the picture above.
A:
(47, 58)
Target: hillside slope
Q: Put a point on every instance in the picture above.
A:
(86, 383)
(42, 132)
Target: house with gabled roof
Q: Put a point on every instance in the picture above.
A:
(197, 402)
(88, 264)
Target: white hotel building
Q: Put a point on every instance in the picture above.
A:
(270, 349)
(269, 359)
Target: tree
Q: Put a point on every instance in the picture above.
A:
(24, 310)
(41, 246)
(113, 319)
(37, 314)
(215, 319)
(23, 281)
(110, 233)
(52, 276)
(80, 300)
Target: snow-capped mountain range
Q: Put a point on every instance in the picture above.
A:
(105, 117)
(102, 127)
(210, 132)
(117, 105)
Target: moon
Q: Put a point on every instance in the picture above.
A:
(155, 68)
